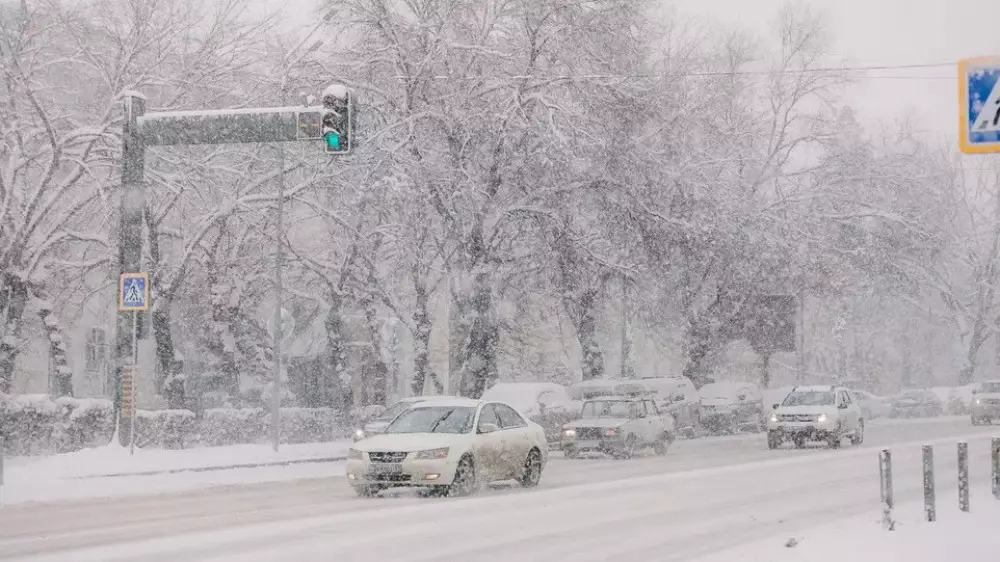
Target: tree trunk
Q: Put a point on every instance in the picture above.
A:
(221, 341)
(170, 381)
(765, 371)
(62, 374)
(375, 385)
(422, 343)
(459, 324)
(16, 296)
(334, 383)
(585, 321)
(699, 346)
(976, 341)
(480, 370)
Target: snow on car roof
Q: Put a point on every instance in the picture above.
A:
(814, 388)
(617, 398)
(598, 382)
(448, 402)
(435, 398)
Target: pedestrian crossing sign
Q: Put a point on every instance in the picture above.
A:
(133, 292)
(979, 105)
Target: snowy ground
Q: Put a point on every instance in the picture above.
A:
(77, 475)
(964, 537)
(704, 497)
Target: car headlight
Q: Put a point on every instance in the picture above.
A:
(359, 434)
(979, 400)
(821, 418)
(611, 432)
(569, 433)
(441, 453)
(774, 417)
(353, 454)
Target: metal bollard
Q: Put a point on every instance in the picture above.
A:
(3, 443)
(963, 476)
(995, 473)
(930, 511)
(885, 481)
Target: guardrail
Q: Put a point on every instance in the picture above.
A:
(930, 495)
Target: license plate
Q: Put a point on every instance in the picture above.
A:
(385, 469)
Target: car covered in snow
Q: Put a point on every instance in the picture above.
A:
(450, 446)
(618, 426)
(546, 403)
(678, 397)
(816, 413)
(872, 407)
(731, 407)
(917, 403)
(378, 425)
(986, 403)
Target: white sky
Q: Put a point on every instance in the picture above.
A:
(888, 32)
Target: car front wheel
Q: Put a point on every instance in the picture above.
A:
(859, 437)
(532, 470)
(368, 490)
(464, 483)
(773, 440)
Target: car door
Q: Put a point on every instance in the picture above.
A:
(488, 444)
(849, 414)
(517, 439)
(656, 424)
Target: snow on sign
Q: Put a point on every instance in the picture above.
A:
(979, 105)
(133, 292)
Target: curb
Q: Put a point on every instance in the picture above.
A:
(212, 468)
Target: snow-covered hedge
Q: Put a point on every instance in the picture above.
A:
(38, 424)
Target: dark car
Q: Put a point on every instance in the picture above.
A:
(916, 404)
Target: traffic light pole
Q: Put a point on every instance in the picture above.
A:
(129, 244)
(235, 126)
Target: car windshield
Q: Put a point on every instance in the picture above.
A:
(434, 419)
(609, 409)
(990, 387)
(809, 398)
(395, 410)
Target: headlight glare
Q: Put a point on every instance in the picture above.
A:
(441, 453)
(611, 432)
(569, 433)
(821, 418)
(353, 454)
(359, 434)
(774, 417)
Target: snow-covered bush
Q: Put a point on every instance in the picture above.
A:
(231, 426)
(164, 429)
(36, 424)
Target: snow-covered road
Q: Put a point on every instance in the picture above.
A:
(705, 495)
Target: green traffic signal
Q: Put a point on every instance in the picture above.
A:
(332, 140)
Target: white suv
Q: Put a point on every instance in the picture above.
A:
(816, 413)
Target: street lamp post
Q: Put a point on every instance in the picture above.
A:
(279, 245)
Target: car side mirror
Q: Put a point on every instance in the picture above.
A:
(677, 397)
(775, 406)
(843, 406)
(488, 427)
(974, 391)
(742, 397)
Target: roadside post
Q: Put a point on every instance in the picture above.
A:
(963, 476)
(995, 461)
(2, 444)
(885, 480)
(930, 511)
(133, 296)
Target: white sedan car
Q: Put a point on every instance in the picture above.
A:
(450, 446)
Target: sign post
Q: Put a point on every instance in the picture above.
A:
(133, 296)
(979, 105)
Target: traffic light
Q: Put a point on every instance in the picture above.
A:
(338, 119)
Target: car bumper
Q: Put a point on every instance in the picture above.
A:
(410, 472)
(607, 445)
(813, 432)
